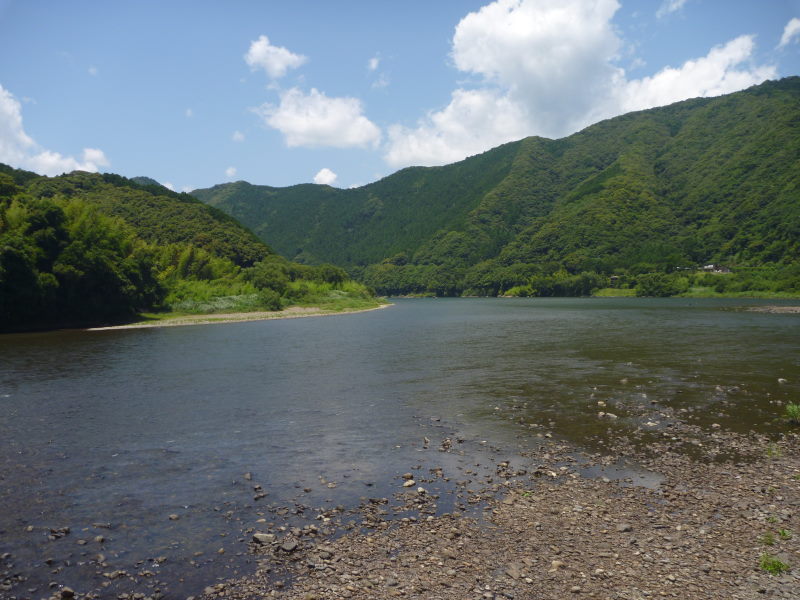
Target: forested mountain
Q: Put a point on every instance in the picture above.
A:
(711, 180)
(86, 249)
(157, 214)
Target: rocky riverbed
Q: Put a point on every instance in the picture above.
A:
(722, 522)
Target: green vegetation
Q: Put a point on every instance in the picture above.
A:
(647, 199)
(784, 534)
(772, 565)
(793, 413)
(86, 249)
(614, 293)
(768, 539)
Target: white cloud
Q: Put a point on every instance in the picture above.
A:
(373, 63)
(19, 150)
(230, 172)
(93, 71)
(275, 60)
(314, 120)
(474, 121)
(325, 177)
(381, 82)
(168, 185)
(189, 113)
(186, 189)
(790, 32)
(237, 136)
(712, 75)
(549, 68)
(668, 7)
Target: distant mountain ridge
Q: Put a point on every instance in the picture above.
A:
(704, 180)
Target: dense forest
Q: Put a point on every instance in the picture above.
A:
(87, 249)
(638, 203)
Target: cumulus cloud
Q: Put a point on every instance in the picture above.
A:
(373, 63)
(275, 60)
(474, 121)
(790, 32)
(325, 177)
(19, 150)
(717, 73)
(230, 172)
(237, 136)
(669, 6)
(168, 185)
(314, 120)
(549, 68)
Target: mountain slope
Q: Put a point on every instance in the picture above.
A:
(87, 249)
(704, 180)
(158, 214)
(317, 223)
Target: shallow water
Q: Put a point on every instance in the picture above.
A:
(127, 427)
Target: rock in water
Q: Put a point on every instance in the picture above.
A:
(263, 538)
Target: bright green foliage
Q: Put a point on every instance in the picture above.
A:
(793, 413)
(772, 564)
(65, 263)
(86, 249)
(710, 180)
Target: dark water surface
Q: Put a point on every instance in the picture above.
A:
(127, 427)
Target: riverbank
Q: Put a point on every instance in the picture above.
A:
(776, 310)
(293, 312)
(718, 519)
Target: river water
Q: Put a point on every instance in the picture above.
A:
(110, 433)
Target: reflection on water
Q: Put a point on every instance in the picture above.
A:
(127, 427)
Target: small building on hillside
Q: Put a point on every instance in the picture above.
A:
(716, 269)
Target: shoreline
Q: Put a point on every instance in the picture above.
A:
(293, 312)
(556, 523)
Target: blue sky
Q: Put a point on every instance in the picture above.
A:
(194, 93)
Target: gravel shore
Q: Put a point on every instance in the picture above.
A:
(545, 531)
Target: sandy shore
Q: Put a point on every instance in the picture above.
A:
(293, 312)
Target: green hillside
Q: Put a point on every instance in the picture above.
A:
(157, 214)
(88, 249)
(712, 180)
(319, 223)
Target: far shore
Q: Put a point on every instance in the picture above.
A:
(775, 309)
(293, 312)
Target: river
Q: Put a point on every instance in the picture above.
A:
(144, 436)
